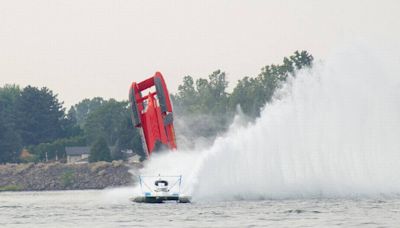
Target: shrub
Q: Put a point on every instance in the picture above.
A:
(100, 151)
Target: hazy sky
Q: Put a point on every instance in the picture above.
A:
(81, 49)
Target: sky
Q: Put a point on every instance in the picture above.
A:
(87, 48)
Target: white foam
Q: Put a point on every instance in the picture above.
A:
(334, 131)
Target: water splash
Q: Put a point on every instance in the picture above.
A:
(334, 131)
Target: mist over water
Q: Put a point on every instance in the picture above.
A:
(333, 131)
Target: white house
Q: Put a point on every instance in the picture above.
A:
(77, 154)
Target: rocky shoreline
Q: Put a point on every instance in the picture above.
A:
(61, 176)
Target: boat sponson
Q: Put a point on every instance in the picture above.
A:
(160, 199)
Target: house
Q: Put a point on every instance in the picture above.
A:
(77, 154)
(80, 154)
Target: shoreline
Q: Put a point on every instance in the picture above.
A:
(61, 176)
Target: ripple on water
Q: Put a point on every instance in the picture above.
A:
(89, 210)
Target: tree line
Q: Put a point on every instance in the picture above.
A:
(206, 106)
(34, 120)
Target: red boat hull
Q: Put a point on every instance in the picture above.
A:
(152, 114)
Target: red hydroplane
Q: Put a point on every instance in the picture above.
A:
(152, 113)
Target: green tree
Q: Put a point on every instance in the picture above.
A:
(205, 105)
(204, 95)
(302, 59)
(82, 110)
(112, 121)
(128, 139)
(106, 122)
(100, 151)
(70, 126)
(247, 94)
(217, 94)
(186, 91)
(9, 95)
(202, 105)
(56, 147)
(187, 95)
(39, 116)
(253, 93)
(10, 142)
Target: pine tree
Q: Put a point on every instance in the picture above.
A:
(39, 116)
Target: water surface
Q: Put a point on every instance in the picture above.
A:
(111, 208)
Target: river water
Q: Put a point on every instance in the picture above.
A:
(111, 208)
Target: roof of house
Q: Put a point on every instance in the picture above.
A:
(77, 150)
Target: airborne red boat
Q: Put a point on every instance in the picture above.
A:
(152, 113)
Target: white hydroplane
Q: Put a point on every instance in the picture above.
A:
(160, 189)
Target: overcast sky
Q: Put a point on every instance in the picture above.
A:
(82, 49)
